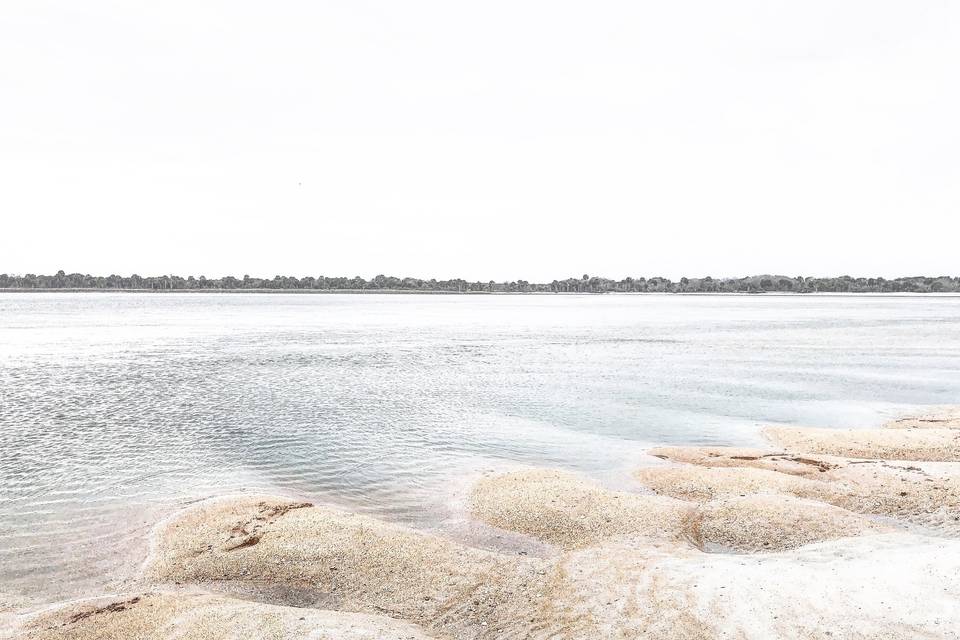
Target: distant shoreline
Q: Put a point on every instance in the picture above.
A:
(764, 283)
(899, 294)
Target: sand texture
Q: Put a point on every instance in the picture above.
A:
(285, 551)
(569, 511)
(888, 586)
(702, 484)
(764, 522)
(622, 587)
(808, 466)
(887, 444)
(566, 510)
(201, 616)
(941, 418)
(897, 490)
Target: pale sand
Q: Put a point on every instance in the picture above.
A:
(702, 484)
(902, 491)
(889, 587)
(809, 466)
(939, 418)
(271, 548)
(888, 444)
(618, 591)
(622, 588)
(907, 493)
(569, 511)
(764, 522)
(203, 616)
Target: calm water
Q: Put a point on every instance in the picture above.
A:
(117, 408)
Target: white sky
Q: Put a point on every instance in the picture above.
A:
(501, 140)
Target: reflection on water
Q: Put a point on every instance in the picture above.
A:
(116, 408)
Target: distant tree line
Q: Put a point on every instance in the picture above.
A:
(584, 284)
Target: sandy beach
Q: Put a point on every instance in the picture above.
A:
(825, 534)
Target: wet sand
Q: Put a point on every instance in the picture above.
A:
(800, 540)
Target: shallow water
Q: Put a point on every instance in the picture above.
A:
(116, 408)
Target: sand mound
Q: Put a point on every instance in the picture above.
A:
(571, 512)
(702, 484)
(274, 549)
(773, 523)
(904, 492)
(942, 418)
(198, 616)
(889, 444)
(898, 490)
(567, 510)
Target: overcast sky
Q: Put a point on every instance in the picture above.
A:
(500, 140)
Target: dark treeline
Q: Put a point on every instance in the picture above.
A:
(584, 284)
